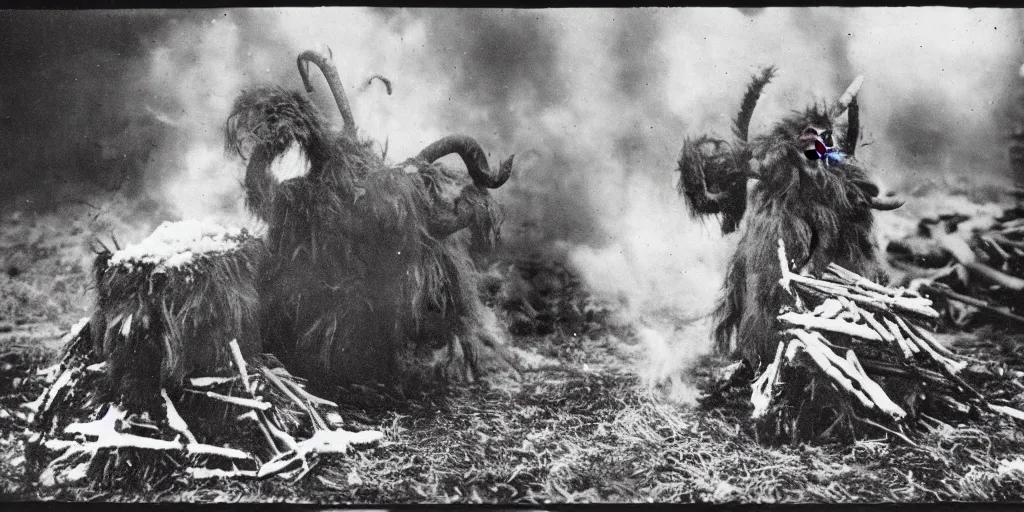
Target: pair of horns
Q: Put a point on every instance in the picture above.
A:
(463, 145)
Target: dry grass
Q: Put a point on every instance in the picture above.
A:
(578, 426)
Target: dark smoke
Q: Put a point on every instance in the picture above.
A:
(84, 115)
(504, 67)
(70, 88)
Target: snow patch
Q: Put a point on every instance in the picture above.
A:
(174, 244)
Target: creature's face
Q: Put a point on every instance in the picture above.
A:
(817, 141)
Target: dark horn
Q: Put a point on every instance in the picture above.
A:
(473, 156)
(333, 81)
(886, 203)
(383, 79)
(869, 188)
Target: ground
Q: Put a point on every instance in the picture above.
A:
(577, 426)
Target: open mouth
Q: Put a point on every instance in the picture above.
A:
(816, 150)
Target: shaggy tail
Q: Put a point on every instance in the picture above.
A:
(263, 124)
(741, 125)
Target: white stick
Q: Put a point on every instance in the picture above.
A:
(307, 395)
(236, 400)
(830, 369)
(1009, 411)
(240, 364)
(830, 308)
(762, 388)
(952, 366)
(870, 389)
(848, 328)
(174, 420)
(203, 473)
(206, 449)
(206, 382)
(907, 348)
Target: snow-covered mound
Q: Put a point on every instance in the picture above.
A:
(174, 244)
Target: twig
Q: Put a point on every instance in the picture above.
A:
(944, 291)
(893, 432)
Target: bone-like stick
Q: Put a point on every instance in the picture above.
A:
(868, 386)
(907, 347)
(887, 296)
(927, 336)
(761, 390)
(280, 463)
(879, 328)
(235, 400)
(251, 415)
(288, 440)
(996, 247)
(309, 396)
(787, 274)
(236, 353)
(828, 309)
(784, 265)
(204, 473)
(175, 420)
(848, 328)
(859, 281)
(206, 449)
(1009, 411)
(279, 384)
(831, 370)
(950, 294)
(953, 367)
(851, 357)
(206, 382)
(920, 306)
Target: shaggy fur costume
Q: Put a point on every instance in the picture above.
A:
(370, 277)
(822, 214)
(821, 209)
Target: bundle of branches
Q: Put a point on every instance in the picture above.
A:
(973, 276)
(161, 354)
(856, 356)
(267, 424)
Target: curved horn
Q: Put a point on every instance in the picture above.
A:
(847, 98)
(741, 125)
(869, 188)
(885, 203)
(333, 81)
(382, 78)
(473, 156)
(852, 128)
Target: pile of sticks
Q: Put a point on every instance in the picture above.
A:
(984, 271)
(79, 436)
(856, 356)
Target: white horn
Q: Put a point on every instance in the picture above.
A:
(847, 97)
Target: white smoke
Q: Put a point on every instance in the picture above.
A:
(594, 158)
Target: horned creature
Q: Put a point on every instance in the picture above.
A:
(371, 276)
(809, 191)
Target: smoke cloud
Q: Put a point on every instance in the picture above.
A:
(594, 103)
